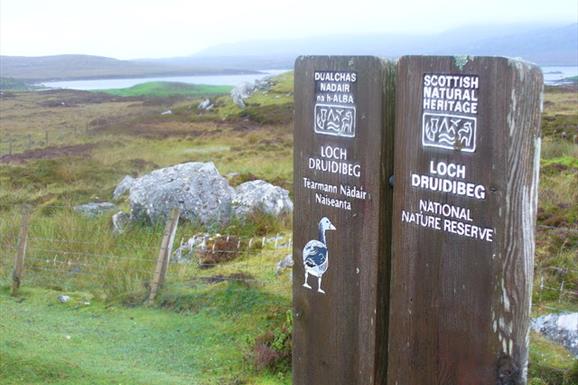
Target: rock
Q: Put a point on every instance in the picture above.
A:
(120, 221)
(208, 250)
(63, 298)
(258, 195)
(284, 264)
(242, 92)
(94, 209)
(187, 250)
(205, 105)
(122, 187)
(561, 328)
(197, 188)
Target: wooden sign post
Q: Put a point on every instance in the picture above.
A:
(342, 219)
(466, 171)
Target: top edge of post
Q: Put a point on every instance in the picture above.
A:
(304, 58)
(461, 60)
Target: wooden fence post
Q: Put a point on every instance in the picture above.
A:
(466, 171)
(164, 254)
(342, 219)
(21, 251)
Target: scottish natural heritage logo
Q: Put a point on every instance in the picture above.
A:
(449, 131)
(335, 120)
(450, 109)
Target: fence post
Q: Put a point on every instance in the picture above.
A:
(343, 159)
(21, 251)
(164, 253)
(467, 156)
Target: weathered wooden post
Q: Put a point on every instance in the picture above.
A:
(165, 252)
(342, 220)
(466, 171)
(21, 251)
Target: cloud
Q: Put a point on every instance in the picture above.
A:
(153, 28)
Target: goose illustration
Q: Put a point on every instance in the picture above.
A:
(316, 256)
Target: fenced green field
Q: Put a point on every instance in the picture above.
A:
(225, 324)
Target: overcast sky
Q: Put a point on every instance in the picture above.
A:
(166, 28)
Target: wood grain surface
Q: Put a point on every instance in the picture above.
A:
(460, 298)
(340, 336)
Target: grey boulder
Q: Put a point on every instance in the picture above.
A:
(242, 92)
(120, 221)
(283, 264)
(123, 187)
(205, 105)
(197, 188)
(258, 195)
(561, 328)
(187, 250)
(63, 298)
(94, 209)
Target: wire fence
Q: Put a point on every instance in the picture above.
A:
(81, 264)
(13, 144)
(196, 258)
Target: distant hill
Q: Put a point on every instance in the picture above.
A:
(541, 44)
(67, 67)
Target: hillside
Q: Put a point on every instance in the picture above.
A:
(68, 67)
(544, 45)
(167, 89)
(227, 324)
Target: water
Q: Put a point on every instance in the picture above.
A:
(215, 80)
(553, 75)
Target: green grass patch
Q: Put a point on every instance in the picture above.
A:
(201, 333)
(550, 364)
(563, 162)
(167, 89)
(86, 342)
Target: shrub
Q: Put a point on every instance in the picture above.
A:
(272, 350)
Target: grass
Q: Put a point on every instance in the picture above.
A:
(166, 89)
(550, 363)
(86, 342)
(94, 139)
